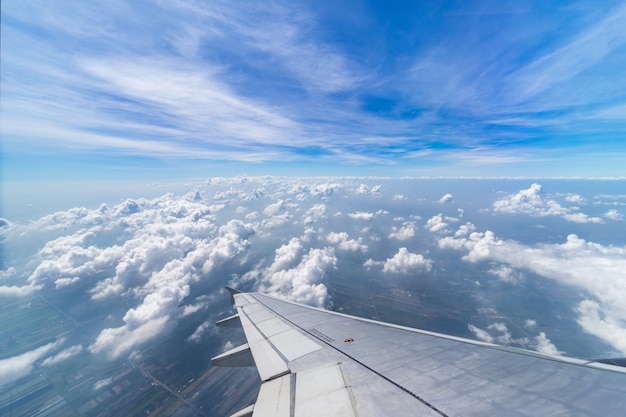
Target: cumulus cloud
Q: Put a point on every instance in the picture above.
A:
(532, 202)
(299, 276)
(375, 191)
(166, 290)
(544, 345)
(171, 242)
(405, 262)
(614, 215)
(274, 208)
(154, 254)
(436, 224)
(504, 336)
(465, 229)
(406, 232)
(361, 215)
(277, 221)
(574, 198)
(15, 367)
(597, 269)
(315, 213)
(343, 242)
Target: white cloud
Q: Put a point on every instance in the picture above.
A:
(406, 232)
(252, 215)
(465, 230)
(545, 346)
(299, 277)
(505, 335)
(117, 341)
(171, 242)
(370, 263)
(399, 197)
(405, 262)
(315, 213)
(343, 242)
(204, 329)
(231, 242)
(62, 355)
(15, 367)
(596, 269)
(532, 202)
(530, 323)
(102, 383)
(446, 198)
(506, 274)
(202, 304)
(480, 334)
(277, 221)
(503, 338)
(436, 224)
(7, 273)
(64, 282)
(274, 208)
(17, 291)
(167, 288)
(608, 326)
(361, 215)
(613, 214)
(574, 198)
(375, 191)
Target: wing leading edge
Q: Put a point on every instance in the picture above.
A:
(314, 362)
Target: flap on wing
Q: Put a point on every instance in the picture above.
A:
(239, 356)
(319, 391)
(246, 412)
(268, 362)
(273, 341)
(232, 321)
(322, 391)
(274, 399)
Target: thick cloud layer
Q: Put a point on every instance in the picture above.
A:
(147, 268)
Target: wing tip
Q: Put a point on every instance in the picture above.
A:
(232, 292)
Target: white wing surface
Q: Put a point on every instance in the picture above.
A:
(315, 362)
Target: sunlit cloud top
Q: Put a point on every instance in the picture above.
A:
(477, 88)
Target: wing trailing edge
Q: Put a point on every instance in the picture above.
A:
(236, 357)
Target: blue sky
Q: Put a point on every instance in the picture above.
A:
(141, 89)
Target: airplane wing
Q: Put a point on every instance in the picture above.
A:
(314, 362)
